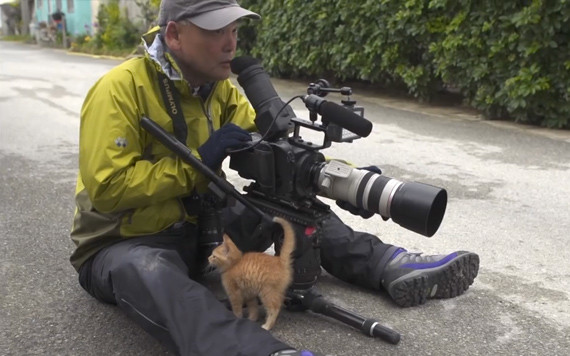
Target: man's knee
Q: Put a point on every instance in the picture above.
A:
(148, 263)
(128, 269)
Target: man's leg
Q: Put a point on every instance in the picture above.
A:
(148, 278)
(409, 278)
(352, 256)
(362, 259)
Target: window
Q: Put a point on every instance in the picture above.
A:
(70, 6)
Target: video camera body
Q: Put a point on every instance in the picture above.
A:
(289, 172)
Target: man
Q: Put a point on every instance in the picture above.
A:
(136, 225)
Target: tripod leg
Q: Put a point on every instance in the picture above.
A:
(315, 302)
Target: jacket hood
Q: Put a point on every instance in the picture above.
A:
(158, 53)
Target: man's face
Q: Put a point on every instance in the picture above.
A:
(204, 55)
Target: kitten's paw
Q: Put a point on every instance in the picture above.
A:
(252, 310)
(253, 317)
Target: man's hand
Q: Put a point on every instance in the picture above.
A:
(365, 214)
(214, 150)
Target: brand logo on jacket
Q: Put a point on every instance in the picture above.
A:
(121, 142)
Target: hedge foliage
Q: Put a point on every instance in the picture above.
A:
(116, 31)
(508, 59)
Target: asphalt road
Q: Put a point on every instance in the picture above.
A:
(509, 188)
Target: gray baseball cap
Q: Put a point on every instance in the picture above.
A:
(206, 14)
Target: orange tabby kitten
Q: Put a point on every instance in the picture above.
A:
(247, 276)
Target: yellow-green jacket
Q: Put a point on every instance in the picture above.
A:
(129, 184)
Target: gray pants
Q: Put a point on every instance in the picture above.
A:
(152, 279)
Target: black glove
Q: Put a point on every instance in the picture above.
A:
(373, 169)
(365, 214)
(214, 150)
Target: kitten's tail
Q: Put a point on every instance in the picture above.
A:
(288, 240)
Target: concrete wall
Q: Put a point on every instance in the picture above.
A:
(9, 16)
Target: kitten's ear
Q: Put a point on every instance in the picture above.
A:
(227, 244)
(230, 245)
(228, 240)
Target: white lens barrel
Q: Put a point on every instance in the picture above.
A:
(360, 188)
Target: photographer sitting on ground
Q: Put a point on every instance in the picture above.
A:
(136, 226)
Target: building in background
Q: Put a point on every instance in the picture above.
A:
(80, 15)
(22, 17)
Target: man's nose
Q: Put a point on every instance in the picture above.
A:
(230, 43)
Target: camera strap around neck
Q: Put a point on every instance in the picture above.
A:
(171, 98)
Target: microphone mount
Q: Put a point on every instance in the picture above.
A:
(322, 88)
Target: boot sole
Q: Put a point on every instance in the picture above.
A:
(447, 281)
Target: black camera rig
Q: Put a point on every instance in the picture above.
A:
(289, 173)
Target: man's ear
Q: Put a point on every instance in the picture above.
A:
(172, 35)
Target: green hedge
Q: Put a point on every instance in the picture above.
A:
(509, 59)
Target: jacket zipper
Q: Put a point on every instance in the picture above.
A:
(206, 108)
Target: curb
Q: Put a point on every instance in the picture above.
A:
(98, 56)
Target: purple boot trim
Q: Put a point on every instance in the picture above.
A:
(397, 252)
(432, 264)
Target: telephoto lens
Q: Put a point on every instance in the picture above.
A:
(415, 206)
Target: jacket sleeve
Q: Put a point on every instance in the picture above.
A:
(111, 151)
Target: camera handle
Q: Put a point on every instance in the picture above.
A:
(305, 296)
